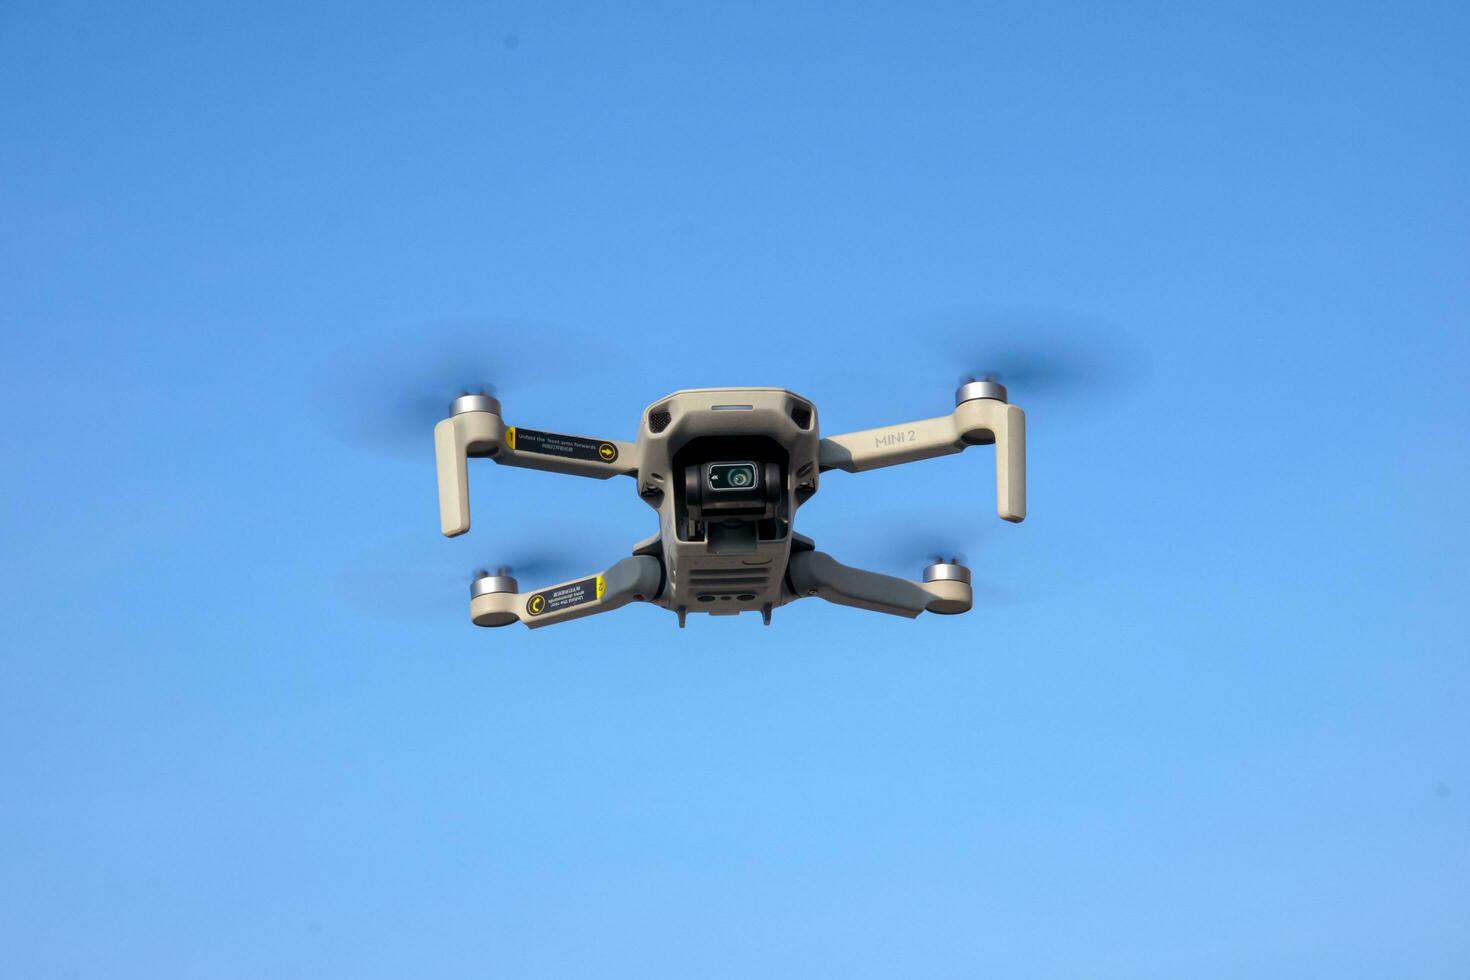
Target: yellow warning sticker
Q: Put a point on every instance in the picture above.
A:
(565, 596)
(567, 447)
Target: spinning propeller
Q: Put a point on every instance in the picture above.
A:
(386, 393)
(939, 538)
(417, 577)
(1045, 359)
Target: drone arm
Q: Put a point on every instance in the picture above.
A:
(890, 445)
(482, 432)
(634, 579)
(455, 440)
(814, 573)
(976, 422)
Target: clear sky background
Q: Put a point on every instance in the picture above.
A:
(1211, 722)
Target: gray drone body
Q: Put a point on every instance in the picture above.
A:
(727, 470)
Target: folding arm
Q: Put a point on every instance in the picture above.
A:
(475, 428)
(981, 416)
(494, 600)
(813, 573)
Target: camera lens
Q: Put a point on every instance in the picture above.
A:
(732, 476)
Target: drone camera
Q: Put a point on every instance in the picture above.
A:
(733, 491)
(727, 477)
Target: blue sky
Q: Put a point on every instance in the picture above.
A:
(1214, 723)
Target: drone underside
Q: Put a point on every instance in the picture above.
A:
(727, 469)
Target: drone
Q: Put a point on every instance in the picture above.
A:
(726, 469)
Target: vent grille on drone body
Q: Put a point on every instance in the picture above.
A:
(729, 579)
(659, 419)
